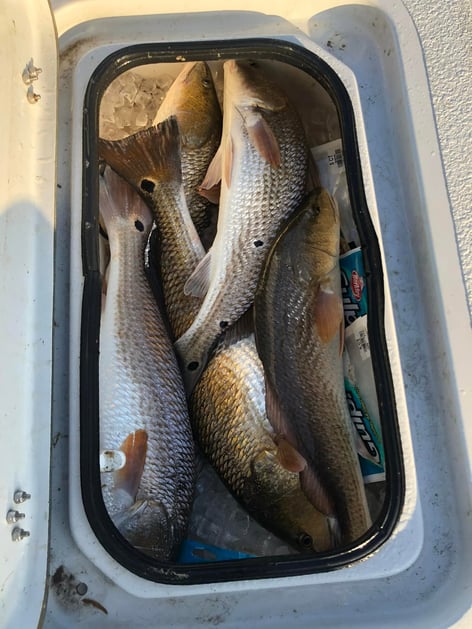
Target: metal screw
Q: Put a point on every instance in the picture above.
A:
(31, 73)
(31, 95)
(13, 516)
(20, 496)
(18, 534)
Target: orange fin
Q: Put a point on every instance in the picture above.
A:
(315, 492)
(328, 314)
(197, 284)
(281, 426)
(263, 139)
(213, 174)
(212, 194)
(135, 449)
(288, 456)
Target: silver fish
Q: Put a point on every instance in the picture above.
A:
(299, 334)
(147, 451)
(262, 165)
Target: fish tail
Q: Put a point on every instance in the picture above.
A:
(148, 157)
(118, 198)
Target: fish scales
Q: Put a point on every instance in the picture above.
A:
(230, 423)
(303, 367)
(150, 160)
(141, 388)
(253, 205)
(192, 99)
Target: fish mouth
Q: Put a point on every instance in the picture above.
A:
(147, 526)
(187, 72)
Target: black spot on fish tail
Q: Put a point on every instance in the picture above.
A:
(147, 185)
(258, 243)
(223, 325)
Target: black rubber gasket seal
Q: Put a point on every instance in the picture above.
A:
(106, 533)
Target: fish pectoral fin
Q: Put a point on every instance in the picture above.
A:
(314, 490)
(134, 448)
(262, 138)
(328, 314)
(288, 456)
(211, 194)
(213, 174)
(198, 283)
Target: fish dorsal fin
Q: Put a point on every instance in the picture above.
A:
(135, 449)
(262, 138)
(228, 161)
(315, 492)
(288, 452)
(213, 173)
(288, 457)
(328, 313)
(273, 409)
(198, 283)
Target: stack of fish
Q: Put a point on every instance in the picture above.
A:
(264, 384)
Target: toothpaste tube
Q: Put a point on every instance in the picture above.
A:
(362, 400)
(368, 439)
(353, 285)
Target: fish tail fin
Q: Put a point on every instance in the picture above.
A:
(148, 157)
(117, 199)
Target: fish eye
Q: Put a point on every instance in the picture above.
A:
(206, 83)
(139, 226)
(193, 365)
(305, 541)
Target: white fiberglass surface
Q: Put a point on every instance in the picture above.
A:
(344, 598)
(27, 173)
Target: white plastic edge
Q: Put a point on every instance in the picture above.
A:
(401, 550)
(27, 198)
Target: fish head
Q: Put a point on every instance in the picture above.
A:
(292, 515)
(309, 530)
(324, 233)
(192, 99)
(147, 526)
(247, 87)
